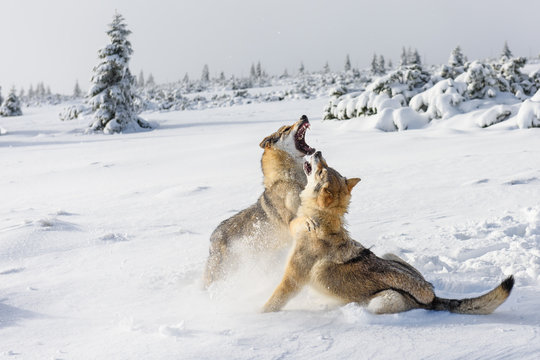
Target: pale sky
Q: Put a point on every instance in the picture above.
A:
(56, 41)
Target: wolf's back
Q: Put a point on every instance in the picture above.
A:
(482, 305)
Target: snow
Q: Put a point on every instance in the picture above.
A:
(103, 238)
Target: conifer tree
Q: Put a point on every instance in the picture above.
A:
(205, 76)
(110, 95)
(456, 57)
(326, 68)
(259, 70)
(301, 69)
(140, 83)
(77, 93)
(404, 59)
(382, 65)
(185, 80)
(506, 53)
(252, 72)
(348, 66)
(31, 92)
(11, 106)
(375, 65)
(1, 98)
(150, 82)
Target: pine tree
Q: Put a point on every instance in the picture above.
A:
(77, 93)
(1, 98)
(252, 72)
(456, 57)
(140, 83)
(506, 53)
(150, 82)
(110, 95)
(259, 70)
(382, 65)
(205, 76)
(375, 65)
(326, 68)
(301, 69)
(31, 92)
(404, 59)
(185, 80)
(285, 74)
(390, 65)
(11, 106)
(348, 66)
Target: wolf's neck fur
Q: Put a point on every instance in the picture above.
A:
(278, 165)
(329, 221)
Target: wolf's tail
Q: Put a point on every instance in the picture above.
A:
(482, 305)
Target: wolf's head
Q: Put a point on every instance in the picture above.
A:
(326, 189)
(290, 139)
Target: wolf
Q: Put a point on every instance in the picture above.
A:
(326, 257)
(265, 224)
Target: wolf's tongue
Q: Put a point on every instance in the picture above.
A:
(307, 168)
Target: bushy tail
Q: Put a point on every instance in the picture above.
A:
(482, 305)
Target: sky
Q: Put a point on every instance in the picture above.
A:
(56, 41)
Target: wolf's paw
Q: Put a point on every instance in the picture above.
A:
(311, 225)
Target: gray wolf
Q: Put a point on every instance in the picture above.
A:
(326, 257)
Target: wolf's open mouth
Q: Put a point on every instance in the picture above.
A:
(307, 168)
(299, 138)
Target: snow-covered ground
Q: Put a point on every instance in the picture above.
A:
(103, 238)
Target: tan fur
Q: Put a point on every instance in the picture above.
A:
(265, 224)
(326, 257)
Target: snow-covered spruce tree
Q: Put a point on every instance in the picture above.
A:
(375, 65)
(110, 95)
(11, 106)
(150, 82)
(1, 98)
(205, 75)
(140, 82)
(77, 93)
(456, 64)
(506, 53)
(347, 63)
(382, 65)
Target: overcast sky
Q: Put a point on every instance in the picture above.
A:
(56, 41)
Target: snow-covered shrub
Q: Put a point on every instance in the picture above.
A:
(73, 112)
(494, 115)
(11, 105)
(393, 90)
(456, 65)
(521, 85)
(529, 112)
(481, 80)
(111, 96)
(440, 101)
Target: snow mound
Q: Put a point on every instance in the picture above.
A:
(529, 112)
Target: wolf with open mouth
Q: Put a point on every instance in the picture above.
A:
(265, 224)
(325, 256)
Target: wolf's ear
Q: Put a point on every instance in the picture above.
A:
(325, 198)
(352, 183)
(267, 142)
(272, 139)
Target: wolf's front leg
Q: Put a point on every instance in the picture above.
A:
(289, 286)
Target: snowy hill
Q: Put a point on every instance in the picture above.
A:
(103, 238)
